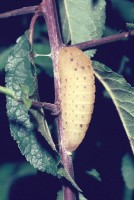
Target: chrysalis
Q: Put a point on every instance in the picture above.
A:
(77, 91)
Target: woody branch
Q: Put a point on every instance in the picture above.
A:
(47, 9)
(83, 45)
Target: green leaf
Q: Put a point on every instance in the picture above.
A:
(41, 125)
(81, 197)
(40, 48)
(7, 92)
(9, 172)
(25, 96)
(128, 171)
(60, 195)
(94, 173)
(62, 173)
(122, 95)
(3, 57)
(83, 19)
(27, 103)
(130, 26)
(19, 71)
(124, 9)
(25, 90)
(66, 36)
(43, 61)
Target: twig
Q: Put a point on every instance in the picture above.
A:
(32, 24)
(21, 11)
(105, 40)
(49, 10)
(83, 45)
(54, 108)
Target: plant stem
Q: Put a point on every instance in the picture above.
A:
(67, 161)
(32, 24)
(54, 108)
(105, 40)
(21, 11)
(49, 10)
(83, 45)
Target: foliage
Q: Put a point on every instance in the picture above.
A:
(122, 95)
(91, 19)
(3, 58)
(94, 174)
(128, 171)
(19, 71)
(26, 122)
(21, 78)
(9, 173)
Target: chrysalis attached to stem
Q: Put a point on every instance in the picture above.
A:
(77, 95)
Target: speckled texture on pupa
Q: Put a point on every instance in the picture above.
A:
(77, 95)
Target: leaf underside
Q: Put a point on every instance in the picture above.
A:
(82, 21)
(19, 71)
(122, 95)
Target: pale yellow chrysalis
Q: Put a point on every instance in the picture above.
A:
(77, 90)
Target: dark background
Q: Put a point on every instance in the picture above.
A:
(106, 143)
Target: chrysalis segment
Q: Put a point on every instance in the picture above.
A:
(77, 95)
